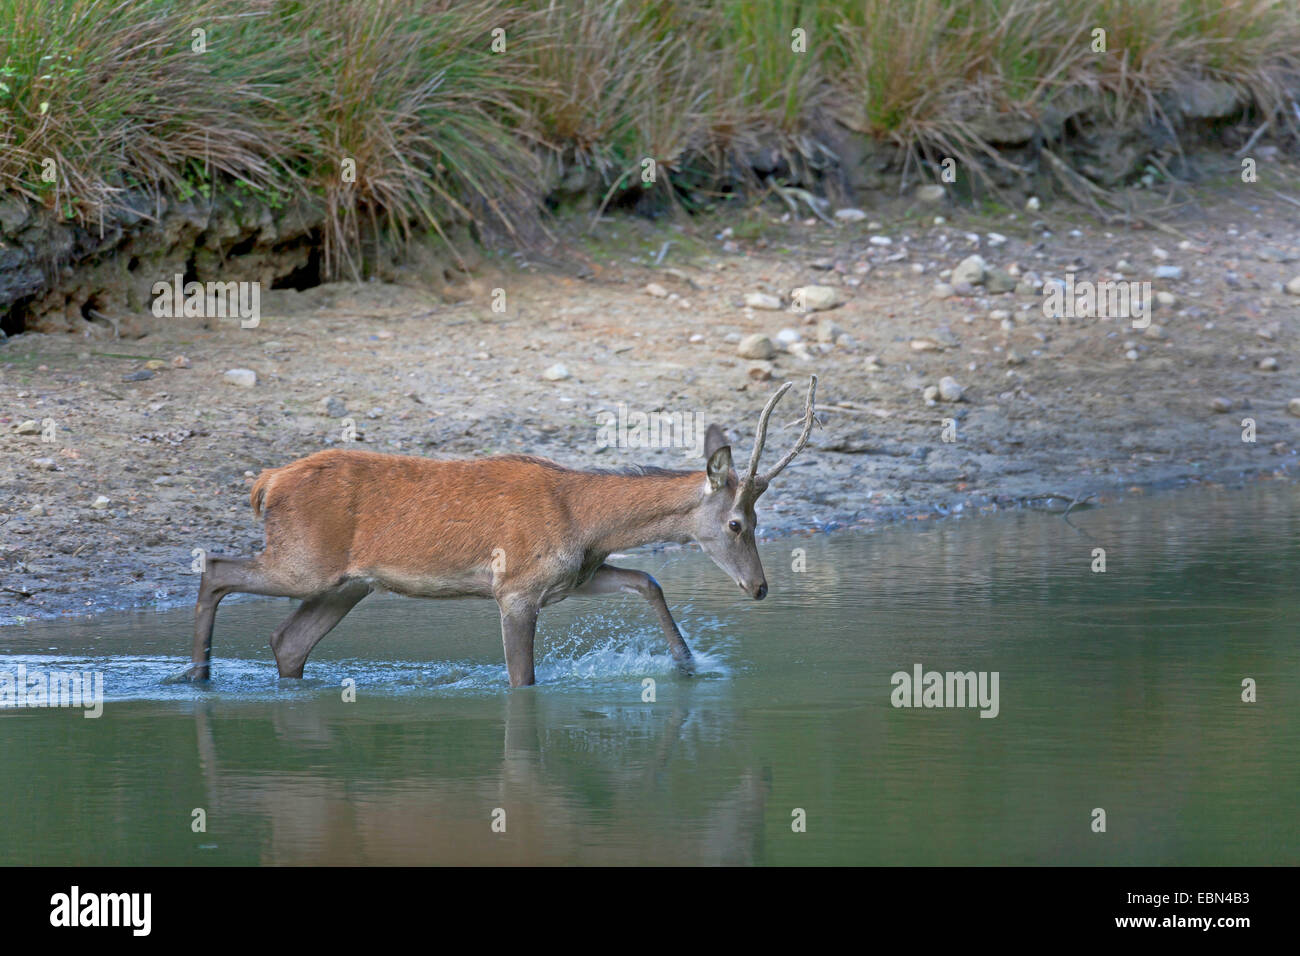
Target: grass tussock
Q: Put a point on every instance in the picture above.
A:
(472, 110)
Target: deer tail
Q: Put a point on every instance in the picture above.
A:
(260, 487)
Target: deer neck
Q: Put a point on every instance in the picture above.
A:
(624, 511)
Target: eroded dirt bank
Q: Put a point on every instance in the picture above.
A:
(145, 468)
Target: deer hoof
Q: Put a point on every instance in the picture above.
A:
(192, 674)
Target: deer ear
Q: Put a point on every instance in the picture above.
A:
(714, 439)
(719, 467)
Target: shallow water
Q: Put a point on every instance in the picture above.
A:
(1118, 690)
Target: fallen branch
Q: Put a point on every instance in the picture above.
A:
(1291, 200)
(1253, 138)
(786, 192)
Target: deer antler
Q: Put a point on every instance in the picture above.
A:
(754, 483)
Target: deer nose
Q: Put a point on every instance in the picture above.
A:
(760, 592)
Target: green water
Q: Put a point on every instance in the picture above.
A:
(1118, 690)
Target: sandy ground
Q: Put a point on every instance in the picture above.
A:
(1084, 406)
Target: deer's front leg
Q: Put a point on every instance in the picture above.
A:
(518, 626)
(611, 580)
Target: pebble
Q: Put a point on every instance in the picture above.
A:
(1015, 358)
(932, 193)
(1169, 272)
(1166, 300)
(333, 407)
(996, 239)
(787, 337)
(970, 270)
(1220, 405)
(1293, 407)
(850, 215)
(180, 361)
(100, 503)
(1033, 204)
(949, 390)
(881, 241)
(1155, 332)
(931, 394)
(1293, 287)
(816, 298)
(243, 377)
(556, 373)
(759, 371)
(163, 480)
(36, 511)
(998, 281)
(828, 331)
(1131, 355)
(942, 290)
(1268, 364)
(140, 375)
(925, 345)
(28, 427)
(757, 346)
(762, 300)
(656, 290)
(998, 315)
(45, 464)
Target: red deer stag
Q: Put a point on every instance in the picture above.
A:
(522, 530)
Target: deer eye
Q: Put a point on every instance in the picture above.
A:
(734, 526)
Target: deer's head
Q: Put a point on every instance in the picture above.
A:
(725, 520)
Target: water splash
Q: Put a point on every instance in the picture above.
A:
(594, 651)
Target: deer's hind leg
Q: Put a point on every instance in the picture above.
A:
(315, 617)
(223, 576)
